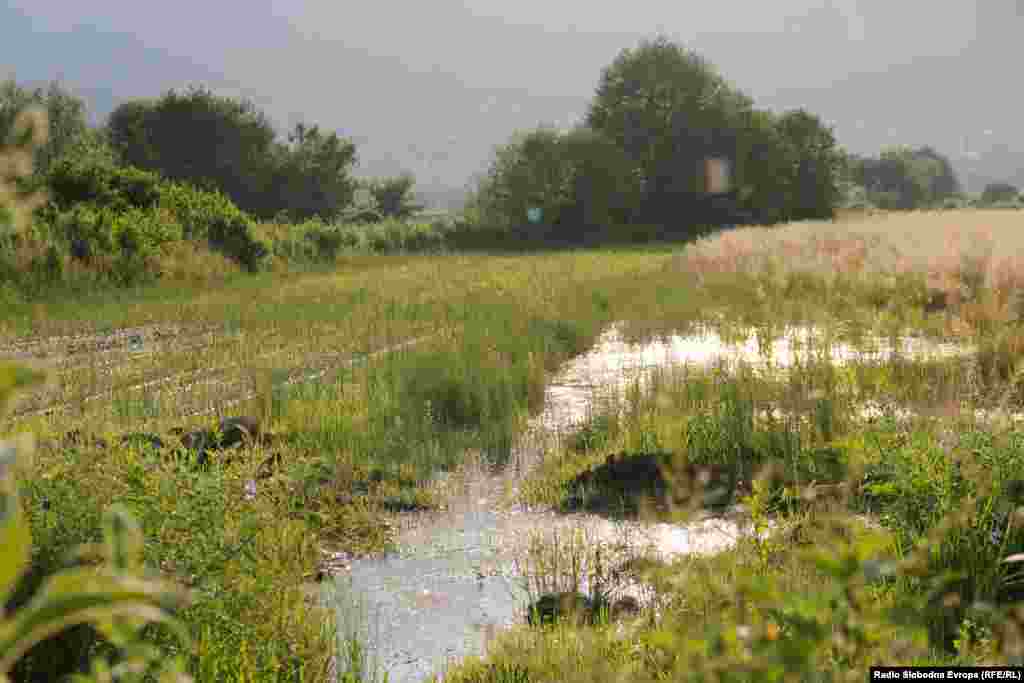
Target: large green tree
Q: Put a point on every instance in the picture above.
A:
(200, 138)
(584, 185)
(605, 190)
(227, 144)
(527, 172)
(669, 110)
(813, 166)
(310, 175)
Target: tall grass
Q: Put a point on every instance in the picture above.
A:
(889, 532)
(360, 442)
(352, 447)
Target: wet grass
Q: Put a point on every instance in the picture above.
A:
(828, 593)
(890, 529)
(348, 450)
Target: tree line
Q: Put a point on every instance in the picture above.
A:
(635, 167)
(213, 143)
(638, 161)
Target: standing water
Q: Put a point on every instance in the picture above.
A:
(451, 582)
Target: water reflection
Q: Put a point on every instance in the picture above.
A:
(452, 581)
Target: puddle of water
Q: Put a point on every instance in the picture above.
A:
(453, 580)
(614, 363)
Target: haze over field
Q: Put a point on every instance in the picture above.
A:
(433, 88)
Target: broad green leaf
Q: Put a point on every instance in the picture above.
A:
(16, 540)
(124, 541)
(81, 596)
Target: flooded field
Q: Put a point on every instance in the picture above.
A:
(453, 580)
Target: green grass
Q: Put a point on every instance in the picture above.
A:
(901, 562)
(353, 447)
(359, 444)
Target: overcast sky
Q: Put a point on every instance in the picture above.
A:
(432, 87)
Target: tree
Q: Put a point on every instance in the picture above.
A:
(128, 133)
(527, 172)
(999, 192)
(583, 183)
(813, 166)
(199, 138)
(68, 128)
(605, 185)
(905, 178)
(220, 143)
(311, 175)
(668, 110)
(393, 196)
(943, 182)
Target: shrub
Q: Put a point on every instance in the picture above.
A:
(76, 181)
(233, 236)
(328, 241)
(127, 241)
(211, 215)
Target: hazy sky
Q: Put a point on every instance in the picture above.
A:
(432, 87)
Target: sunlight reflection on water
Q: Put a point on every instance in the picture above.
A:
(431, 601)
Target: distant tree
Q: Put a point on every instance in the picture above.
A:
(668, 110)
(128, 131)
(605, 186)
(944, 183)
(582, 182)
(68, 129)
(999, 192)
(311, 175)
(890, 179)
(200, 138)
(220, 143)
(393, 196)
(527, 172)
(906, 178)
(813, 166)
(761, 172)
